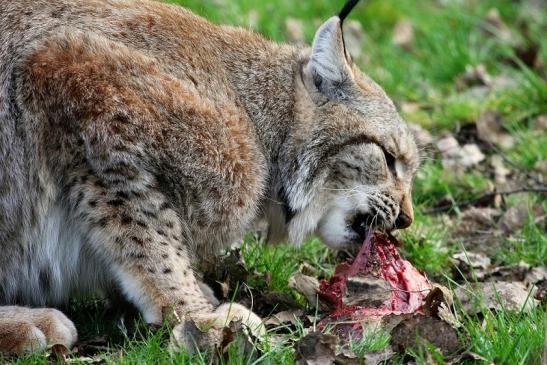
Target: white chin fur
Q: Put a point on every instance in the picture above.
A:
(332, 229)
(304, 223)
(333, 226)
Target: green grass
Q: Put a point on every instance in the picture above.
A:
(447, 39)
(281, 261)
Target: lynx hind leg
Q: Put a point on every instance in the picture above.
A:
(24, 329)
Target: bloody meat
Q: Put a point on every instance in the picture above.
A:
(378, 257)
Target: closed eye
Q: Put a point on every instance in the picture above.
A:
(390, 162)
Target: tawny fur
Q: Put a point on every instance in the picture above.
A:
(136, 139)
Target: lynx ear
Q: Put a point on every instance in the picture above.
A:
(328, 65)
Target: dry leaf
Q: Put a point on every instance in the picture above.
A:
(403, 34)
(473, 260)
(437, 296)
(500, 171)
(283, 317)
(477, 219)
(235, 336)
(379, 357)
(306, 285)
(474, 76)
(295, 31)
(316, 348)
(494, 25)
(536, 275)
(456, 157)
(489, 129)
(511, 296)
(422, 136)
(354, 37)
(189, 337)
(540, 123)
(514, 218)
(448, 316)
(412, 332)
(472, 264)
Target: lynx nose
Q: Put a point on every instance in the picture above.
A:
(403, 221)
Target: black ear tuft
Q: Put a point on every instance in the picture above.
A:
(348, 7)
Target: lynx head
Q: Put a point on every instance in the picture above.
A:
(349, 160)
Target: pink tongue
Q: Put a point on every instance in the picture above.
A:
(377, 257)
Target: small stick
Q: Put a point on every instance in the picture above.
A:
(465, 203)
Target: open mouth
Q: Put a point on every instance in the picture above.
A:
(365, 224)
(362, 225)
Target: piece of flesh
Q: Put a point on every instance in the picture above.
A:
(378, 259)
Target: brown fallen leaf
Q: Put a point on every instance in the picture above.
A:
(539, 124)
(91, 346)
(501, 172)
(86, 360)
(316, 348)
(436, 297)
(225, 272)
(294, 29)
(379, 357)
(514, 218)
(514, 272)
(308, 269)
(528, 51)
(478, 218)
(494, 25)
(236, 337)
(403, 34)
(344, 356)
(413, 332)
(284, 317)
(306, 285)
(264, 303)
(472, 264)
(422, 136)
(474, 75)
(456, 157)
(511, 296)
(354, 37)
(489, 129)
(538, 277)
(189, 337)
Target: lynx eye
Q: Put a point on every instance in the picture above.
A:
(390, 162)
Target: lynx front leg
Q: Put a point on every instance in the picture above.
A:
(140, 237)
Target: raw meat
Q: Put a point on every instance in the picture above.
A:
(405, 288)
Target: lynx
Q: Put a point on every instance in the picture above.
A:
(137, 139)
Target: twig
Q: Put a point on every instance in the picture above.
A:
(465, 203)
(515, 165)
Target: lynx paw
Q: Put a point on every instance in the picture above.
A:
(229, 312)
(25, 329)
(205, 330)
